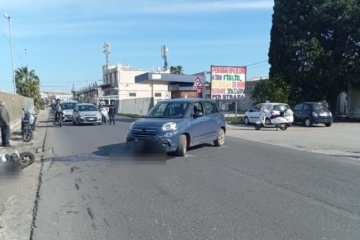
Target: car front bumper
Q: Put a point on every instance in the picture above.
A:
(322, 120)
(67, 118)
(90, 120)
(169, 143)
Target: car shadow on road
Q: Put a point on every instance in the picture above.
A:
(141, 152)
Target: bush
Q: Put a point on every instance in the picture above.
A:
(235, 120)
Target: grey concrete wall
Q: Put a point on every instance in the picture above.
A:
(139, 106)
(14, 105)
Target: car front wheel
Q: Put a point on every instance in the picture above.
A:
(220, 138)
(328, 124)
(246, 120)
(182, 146)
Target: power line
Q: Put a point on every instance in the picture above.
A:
(248, 65)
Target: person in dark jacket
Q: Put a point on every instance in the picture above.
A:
(112, 113)
(4, 125)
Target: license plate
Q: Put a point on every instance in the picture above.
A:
(323, 114)
(90, 119)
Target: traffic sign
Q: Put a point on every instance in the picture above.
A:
(198, 83)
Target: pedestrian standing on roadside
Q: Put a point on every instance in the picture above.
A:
(112, 113)
(4, 125)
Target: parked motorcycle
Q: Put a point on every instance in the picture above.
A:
(278, 120)
(29, 118)
(27, 126)
(23, 159)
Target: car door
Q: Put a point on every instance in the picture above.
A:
(213, 120)
(298, 113)
(198, 124)
(254, 115)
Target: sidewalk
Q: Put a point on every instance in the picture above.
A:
(341, 139)
(18, 194)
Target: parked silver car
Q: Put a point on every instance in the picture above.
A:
(68, 108)
(86, 113)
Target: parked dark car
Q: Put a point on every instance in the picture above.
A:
(309, 113)
(181, 123)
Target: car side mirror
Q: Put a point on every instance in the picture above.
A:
(197, 114)
(251, 110)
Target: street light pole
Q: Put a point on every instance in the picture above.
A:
(26, 59)
(6, 16)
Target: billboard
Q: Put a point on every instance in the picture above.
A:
(228, 83)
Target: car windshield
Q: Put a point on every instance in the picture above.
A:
(319, 106)
(68, 105)
(280, 107)
(168, 110)
(87, 108)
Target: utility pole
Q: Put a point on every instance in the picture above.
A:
(164, 51)
(6, 16)
(26, 62)
(106, 47)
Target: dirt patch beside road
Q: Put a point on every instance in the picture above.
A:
(341, 139)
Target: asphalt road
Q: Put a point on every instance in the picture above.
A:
(244, 190)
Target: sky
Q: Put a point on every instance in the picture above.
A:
(62, 40)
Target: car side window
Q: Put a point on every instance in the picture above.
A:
(298, 107)
(210, 108)
(306, 108)
(257, 108)
(198, 107)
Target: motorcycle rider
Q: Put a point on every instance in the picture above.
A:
(58, 110)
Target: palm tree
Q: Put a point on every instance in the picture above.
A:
(28, 85)
(176, 70)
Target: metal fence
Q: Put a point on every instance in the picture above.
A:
(139, 106)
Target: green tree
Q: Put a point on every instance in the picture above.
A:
(315, 45)
(176, 70)
(274, 89)
(28, 85)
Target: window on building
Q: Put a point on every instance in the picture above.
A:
(157, 94)
(132, 94)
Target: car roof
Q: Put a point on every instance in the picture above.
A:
(86, 104)
(188, 100)
(275, 103)
(309, 102)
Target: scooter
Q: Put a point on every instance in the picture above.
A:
(281, 120)
(23, 159)
(28, 118)
(27, 125)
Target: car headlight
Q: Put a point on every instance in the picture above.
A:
(171, 126)
(131, 125)
(99, 115)
(330, 114)
(82, 115)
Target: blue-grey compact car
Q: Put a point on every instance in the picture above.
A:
(181, 123)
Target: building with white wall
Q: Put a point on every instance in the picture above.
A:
(119, 84)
